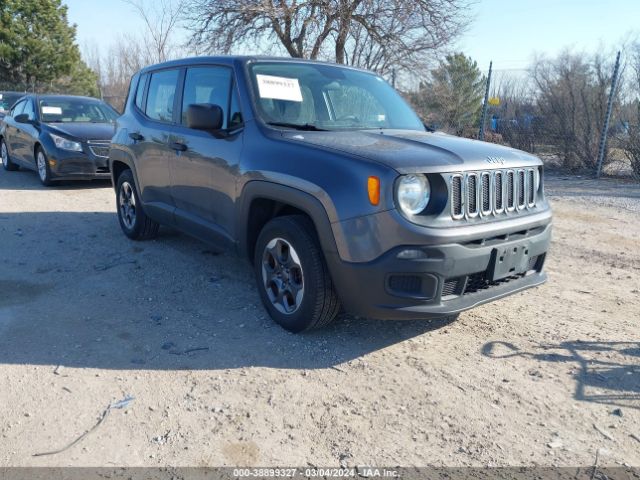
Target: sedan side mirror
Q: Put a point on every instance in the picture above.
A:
(204, 116)
(429, 127)
(22, 118)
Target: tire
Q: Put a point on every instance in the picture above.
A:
(42, 167)
(133, 220)
(292, 276)
(6, 159)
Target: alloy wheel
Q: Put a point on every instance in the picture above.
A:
(282, 275)
(127, 205)
(4, 154)
(42, 166)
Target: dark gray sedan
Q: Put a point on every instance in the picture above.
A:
(60, 137)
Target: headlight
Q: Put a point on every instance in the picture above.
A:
(66, 144)
(413, 193)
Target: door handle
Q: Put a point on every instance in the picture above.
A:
(136, 136)
(177, 146)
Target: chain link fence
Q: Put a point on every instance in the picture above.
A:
(560, 110)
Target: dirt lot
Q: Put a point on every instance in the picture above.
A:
(546, 377)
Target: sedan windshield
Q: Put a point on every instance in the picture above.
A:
(308, 96)
(8, 99)
(65, 110)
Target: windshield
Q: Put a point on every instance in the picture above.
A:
(326, 97)
(8, 99)
(65, 110)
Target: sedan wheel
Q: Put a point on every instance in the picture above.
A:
(6, 161)
(43, 168)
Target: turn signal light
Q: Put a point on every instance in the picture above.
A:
(373, 185)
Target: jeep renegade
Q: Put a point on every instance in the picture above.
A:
(332, 187)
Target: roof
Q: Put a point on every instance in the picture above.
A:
(234, 59)
(41, 96)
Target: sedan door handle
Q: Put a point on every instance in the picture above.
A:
(177, 146)
(136, 136)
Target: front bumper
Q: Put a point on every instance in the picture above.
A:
(447, 279)
(77, 166)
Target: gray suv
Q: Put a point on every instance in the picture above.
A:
(332, 187)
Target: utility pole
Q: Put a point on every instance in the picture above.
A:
(602, 151)
(486, 103)
(393, 78)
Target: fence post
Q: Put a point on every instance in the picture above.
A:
(602, 151)
(486, 104)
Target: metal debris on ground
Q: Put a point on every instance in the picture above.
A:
(119, 405)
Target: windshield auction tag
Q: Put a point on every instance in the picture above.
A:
(279, 88)
(52, 110)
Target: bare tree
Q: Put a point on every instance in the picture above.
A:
(156, 42)
(630, 136)
(375, 34)
(161, 19)
(571, 101)
(115, 67)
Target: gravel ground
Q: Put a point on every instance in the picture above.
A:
(546, 377)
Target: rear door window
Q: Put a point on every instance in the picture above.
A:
(162, 93)
(207, 85)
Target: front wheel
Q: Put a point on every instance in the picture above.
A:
(6, 159)
(293, 280)
(44, 172)
(133, 220)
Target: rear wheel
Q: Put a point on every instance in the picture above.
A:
(292, 275)
(134, 222)
(6, 159)
(42, 164)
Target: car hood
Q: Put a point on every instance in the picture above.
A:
(409, 151)
(84, 130)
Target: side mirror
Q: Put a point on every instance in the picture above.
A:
(429, 127)
(204, 116)
(22, 118)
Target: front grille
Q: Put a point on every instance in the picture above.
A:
(511, 199)
(456, 197)
(472, 195)
(451, 286)
(531, 183)
(492, 192)
(99, 151)
(478, 281)
(100, 148)
(521, 189)
(486, 193)
(499, 197)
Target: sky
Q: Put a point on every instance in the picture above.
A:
(509, 32)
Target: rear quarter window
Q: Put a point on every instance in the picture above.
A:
(142, 82)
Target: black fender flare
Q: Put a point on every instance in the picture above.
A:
(119, 155)
(297, 198)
